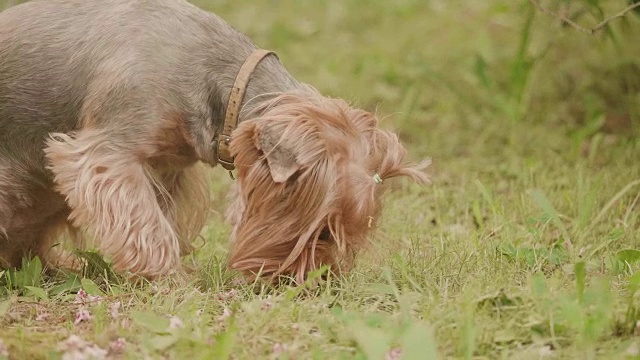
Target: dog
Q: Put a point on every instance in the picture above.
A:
(110, 111)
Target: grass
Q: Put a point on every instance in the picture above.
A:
(525, 246)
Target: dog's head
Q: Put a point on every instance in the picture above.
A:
(311, 173)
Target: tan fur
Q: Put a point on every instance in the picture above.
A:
(190, 203)
(115, 196)
(142, 217)
(326, 155)
(30, 214)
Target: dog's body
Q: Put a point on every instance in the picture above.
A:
(106, 107)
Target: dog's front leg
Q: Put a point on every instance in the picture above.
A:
(186, 203)
(114, 193)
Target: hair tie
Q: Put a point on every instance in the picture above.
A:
(377, 179)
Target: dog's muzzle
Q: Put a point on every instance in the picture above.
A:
(233, 107)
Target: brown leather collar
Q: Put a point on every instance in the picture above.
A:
(233, 106)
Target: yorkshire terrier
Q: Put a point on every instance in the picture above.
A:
(109, 108)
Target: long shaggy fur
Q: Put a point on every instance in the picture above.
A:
(317, 208)
(140, 219)
(110, 108)
(106, 191)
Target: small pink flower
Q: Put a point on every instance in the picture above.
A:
(75, 348)
(117, 345)
(3, 349)
(83, 298)
(279, 348)
(82, 315)
(175, 323)
(394, 354)
(114, 309)
(226, 313)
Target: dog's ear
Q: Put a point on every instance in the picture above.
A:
(278, 150)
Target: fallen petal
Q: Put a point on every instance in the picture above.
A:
(117, 346)
(82, 315)
(175, 323)
(4, 351)
(114, 309)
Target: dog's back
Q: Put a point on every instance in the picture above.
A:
(56, 56)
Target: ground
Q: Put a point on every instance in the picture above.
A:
(524, 246)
